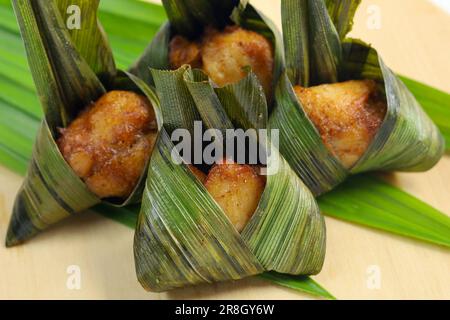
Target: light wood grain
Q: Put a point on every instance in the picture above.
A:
(414, 40)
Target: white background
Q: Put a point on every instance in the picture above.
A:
(444, 4)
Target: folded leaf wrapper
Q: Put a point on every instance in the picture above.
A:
(183, 236)
(317, 52)
(71, 69)
(190, 17)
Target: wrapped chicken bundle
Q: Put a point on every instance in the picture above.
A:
(340, 110)
(227, 221)
(99, 129)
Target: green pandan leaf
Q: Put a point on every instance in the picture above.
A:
(301, 283)
(369, 201)
(435, 102)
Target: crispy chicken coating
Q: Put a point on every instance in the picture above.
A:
(347, 116)
(182, 51)
(198, 173)
(110, 142)
(237, 189)
(224, 55)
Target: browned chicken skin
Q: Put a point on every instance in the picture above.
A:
(347, 116)
(223, 55)
(198, 173)
(237, 189)
(183, 51)
(110, 142)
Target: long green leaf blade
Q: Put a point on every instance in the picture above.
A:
(435, 102)
(12, 160)
(371, 202)
(300, 283)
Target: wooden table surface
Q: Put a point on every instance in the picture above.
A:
(413, 36)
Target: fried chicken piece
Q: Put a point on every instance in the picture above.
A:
(237, 189)
(183, 51)
(224, 55)
(110, 142)
(198, 173)
(347, 116)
